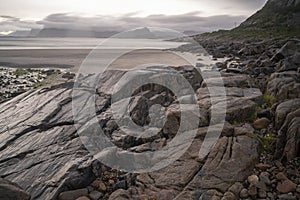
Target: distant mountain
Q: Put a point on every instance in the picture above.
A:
(140, 33)
(53, 32)
(277, 19)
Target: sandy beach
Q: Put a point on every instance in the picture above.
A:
(72, 58)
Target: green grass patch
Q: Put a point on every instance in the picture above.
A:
(21, 72)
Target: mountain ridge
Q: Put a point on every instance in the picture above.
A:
(277, 19)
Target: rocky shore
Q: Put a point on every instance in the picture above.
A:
(15, 81)
(256, 156)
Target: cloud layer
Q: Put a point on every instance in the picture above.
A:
(10, 23)
(189, 21)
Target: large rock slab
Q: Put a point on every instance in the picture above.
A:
(287, 119)
(40, 148)
(284, 85)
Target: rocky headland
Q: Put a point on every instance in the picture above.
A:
(256, 157)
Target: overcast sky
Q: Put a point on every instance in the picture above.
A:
(197, 15)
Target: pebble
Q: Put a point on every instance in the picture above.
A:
(287, 197)
(244, 193)
(261, 123)
(228, 196)
(298, 189)
(83, 198)
(252, 191)
(263, 166)
(286, 186)
(270, 195)
(236, 188)
(102, 187)
(95, 195)
(73, 194)
(264, 177)
(111, 182)
(96, 183)
(262, 193)
(121, 185)
(253, 179)
(215, 197)
(281, 176)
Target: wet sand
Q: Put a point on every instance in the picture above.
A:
(72, 59)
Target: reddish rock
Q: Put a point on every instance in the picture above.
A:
(261, 123)
(286, 186)
(281, 176)
(263, 166)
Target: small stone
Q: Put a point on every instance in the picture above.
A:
(121, 185)
(73, 194)
(261, 185)
(253, 179)
(215, 197)
(96, 183)
(236, 189)
(111, 182)
(214, 193)
(144, 197)
(287, 197)
(95, 195)
(261, 123)
(262, 193)
(286, 186)
(281, 176)
(83, 198)
(263, 166)
(252, 190)
(264, 177)
(90, 188)
(298, 189)
(102, 187)
(228, 196)
(244, 193)
(270, 195)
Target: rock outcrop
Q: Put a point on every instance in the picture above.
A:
(42, 151)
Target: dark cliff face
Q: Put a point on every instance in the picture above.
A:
(276, 15)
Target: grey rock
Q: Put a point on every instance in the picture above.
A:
(229, 196)
(73, 194)
(262, 193)
(95, 195)
(286, 197)
(284, 85)
(244, 193)
(252, 190)
(287, 120)
(11, 191)
(236, 189)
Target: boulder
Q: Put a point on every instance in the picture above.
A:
(12, 191)
(287, 122)
(284, 85)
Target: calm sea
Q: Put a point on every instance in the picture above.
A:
(83, 43)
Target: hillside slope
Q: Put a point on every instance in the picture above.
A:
(277, 19)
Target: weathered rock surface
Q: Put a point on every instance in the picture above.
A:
(287, 118)
(41, 150)
(11, 191)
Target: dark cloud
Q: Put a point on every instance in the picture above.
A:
(188, 21)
